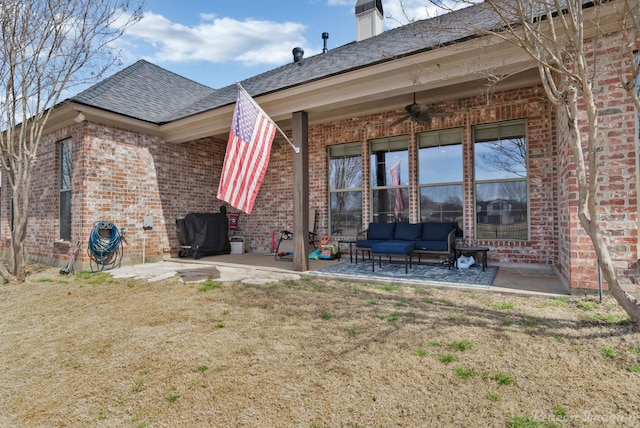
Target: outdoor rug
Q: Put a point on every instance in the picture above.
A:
(437, 273)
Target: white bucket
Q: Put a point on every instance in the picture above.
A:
(237, 245)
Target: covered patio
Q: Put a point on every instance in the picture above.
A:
(521, 279)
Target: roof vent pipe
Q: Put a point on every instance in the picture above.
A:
(298, 53)
(325, 37)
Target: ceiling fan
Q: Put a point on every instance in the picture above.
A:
(420, 113)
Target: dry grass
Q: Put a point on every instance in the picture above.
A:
(87, 350)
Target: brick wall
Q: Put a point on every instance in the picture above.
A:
(43, 227)
(130, 176)
(617, 154)
(120, 177)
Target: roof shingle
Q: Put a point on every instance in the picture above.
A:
(144, 91)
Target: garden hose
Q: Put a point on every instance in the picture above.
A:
(106, 247)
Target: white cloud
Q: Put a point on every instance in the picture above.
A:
(218, 40)
(247, 42)
(399, 12)
(208, 16)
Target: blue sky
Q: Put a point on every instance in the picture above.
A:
(218, 42)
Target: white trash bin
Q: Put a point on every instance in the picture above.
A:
(237, 245)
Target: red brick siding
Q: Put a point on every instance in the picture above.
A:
(121, 177)
(617, 182)
(43, 224)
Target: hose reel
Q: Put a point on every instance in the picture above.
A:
(106, 246)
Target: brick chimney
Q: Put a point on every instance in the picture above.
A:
(369, 17)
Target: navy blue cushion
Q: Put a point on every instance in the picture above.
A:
(381, 231)
(392, 247)
(432, 245)
(367, 243)
(408, 231)
(432, 231)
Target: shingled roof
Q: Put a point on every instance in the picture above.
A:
(144, 91)
(150, 93)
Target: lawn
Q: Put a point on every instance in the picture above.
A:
(90, 350)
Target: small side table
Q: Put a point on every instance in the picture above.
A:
(350, 242)
(475, 250)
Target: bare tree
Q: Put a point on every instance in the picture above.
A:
(47, 47)
(555, 33)
(508, 155)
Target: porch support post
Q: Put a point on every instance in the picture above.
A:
(301, 248)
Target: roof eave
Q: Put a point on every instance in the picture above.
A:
(426, 70)
(68, 114)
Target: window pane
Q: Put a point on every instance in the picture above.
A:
(441, 203)
(441, 164)
(501, 159)
(346, 213)
(381, 168)
(501, 210)
(386, 154)
(65, 216)
(390, 205)
(345, 173)
(65, 165)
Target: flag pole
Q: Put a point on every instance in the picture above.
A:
(295, 148)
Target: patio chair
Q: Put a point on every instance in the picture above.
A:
(284, 249)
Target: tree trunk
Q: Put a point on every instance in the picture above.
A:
(18, 261)
(587, 177)
(4, 273)
(624, 299)
(570, 69)
(47, 47)
(22, 187)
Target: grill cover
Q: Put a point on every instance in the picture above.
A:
(206, 234)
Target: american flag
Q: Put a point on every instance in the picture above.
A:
(395, 181)
(248, 151)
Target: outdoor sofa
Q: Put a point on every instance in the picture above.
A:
(408, 239)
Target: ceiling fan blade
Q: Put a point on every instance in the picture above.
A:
(423, 119)
(402, 119)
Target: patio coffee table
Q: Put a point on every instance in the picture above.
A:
(389, 249)
(476, 250)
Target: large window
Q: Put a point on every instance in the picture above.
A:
(389, 180)
(440, 176)
(64, 149)
(345, 189)
(501, 194)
